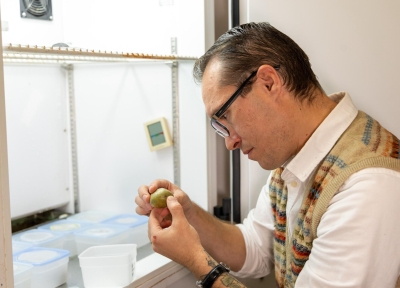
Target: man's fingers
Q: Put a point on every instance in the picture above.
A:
(154, 222)
(143, 190)
(143, 206)
(140, 211)
(160, 183)
(156, 213)
(175, 209)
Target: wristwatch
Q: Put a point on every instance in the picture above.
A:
(210, 278)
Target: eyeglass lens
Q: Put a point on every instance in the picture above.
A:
(219, 128)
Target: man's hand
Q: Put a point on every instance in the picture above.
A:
(143, 200)
(179, 242)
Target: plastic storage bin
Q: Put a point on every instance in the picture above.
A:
(137, 225)
(41, 238)
(50, 266)
(100, 234)
(92, 216)
(18, 246)
(22, 275)
(66, 227)
(108, 266)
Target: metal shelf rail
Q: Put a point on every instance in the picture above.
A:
(48, 55)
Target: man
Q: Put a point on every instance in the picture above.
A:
(328, 216)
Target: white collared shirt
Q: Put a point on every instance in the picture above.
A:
(358, 243)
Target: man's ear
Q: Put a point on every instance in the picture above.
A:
(270, 78)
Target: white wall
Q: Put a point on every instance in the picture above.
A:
(31, 31)
(121, 25)
(36, 106)
(353, 46)
(193, 126)
(113, 101)
(113, 155)
(135, 25)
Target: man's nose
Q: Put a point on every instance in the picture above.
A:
(232, 142)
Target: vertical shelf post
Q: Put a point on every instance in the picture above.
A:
(74, 154)
(175, 115)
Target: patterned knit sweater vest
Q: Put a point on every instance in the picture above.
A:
(364, 144)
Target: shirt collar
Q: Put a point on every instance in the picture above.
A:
(323, 139)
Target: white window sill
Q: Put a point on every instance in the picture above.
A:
(157, 270)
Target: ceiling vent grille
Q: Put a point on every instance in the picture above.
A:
(36, 9)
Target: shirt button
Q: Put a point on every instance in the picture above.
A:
(294, 184)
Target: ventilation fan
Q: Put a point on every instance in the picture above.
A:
(36, 9)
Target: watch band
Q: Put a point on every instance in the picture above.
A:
(210, 278)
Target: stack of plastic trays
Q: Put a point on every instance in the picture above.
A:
(22, 275)
(66, 227)
(92, 216)
(100, 234)
(41, 238)
(49, 266)
(18, 246)
(137, 225)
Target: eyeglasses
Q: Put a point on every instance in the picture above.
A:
(219, 128)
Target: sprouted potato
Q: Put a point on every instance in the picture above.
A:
(159, 198)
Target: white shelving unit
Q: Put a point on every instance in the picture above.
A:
(129, 26)
(67, 58)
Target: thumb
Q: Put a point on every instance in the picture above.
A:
(154, 221)
(175, 208)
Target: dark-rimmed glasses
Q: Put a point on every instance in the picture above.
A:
(219, 128)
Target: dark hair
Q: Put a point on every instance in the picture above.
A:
(244, 48)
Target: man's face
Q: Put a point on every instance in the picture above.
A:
(255, 122)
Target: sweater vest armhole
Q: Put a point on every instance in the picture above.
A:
(332, 188)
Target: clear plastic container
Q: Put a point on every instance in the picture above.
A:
(66, 227)
(50, 266)
(92, 216)
(100, 234)
(137, 225)
(41, 238)
(18, 246)
(22, 275)
(108, 266)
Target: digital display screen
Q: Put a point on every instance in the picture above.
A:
(156, 133)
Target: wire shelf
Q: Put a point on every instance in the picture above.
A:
(18, 53)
